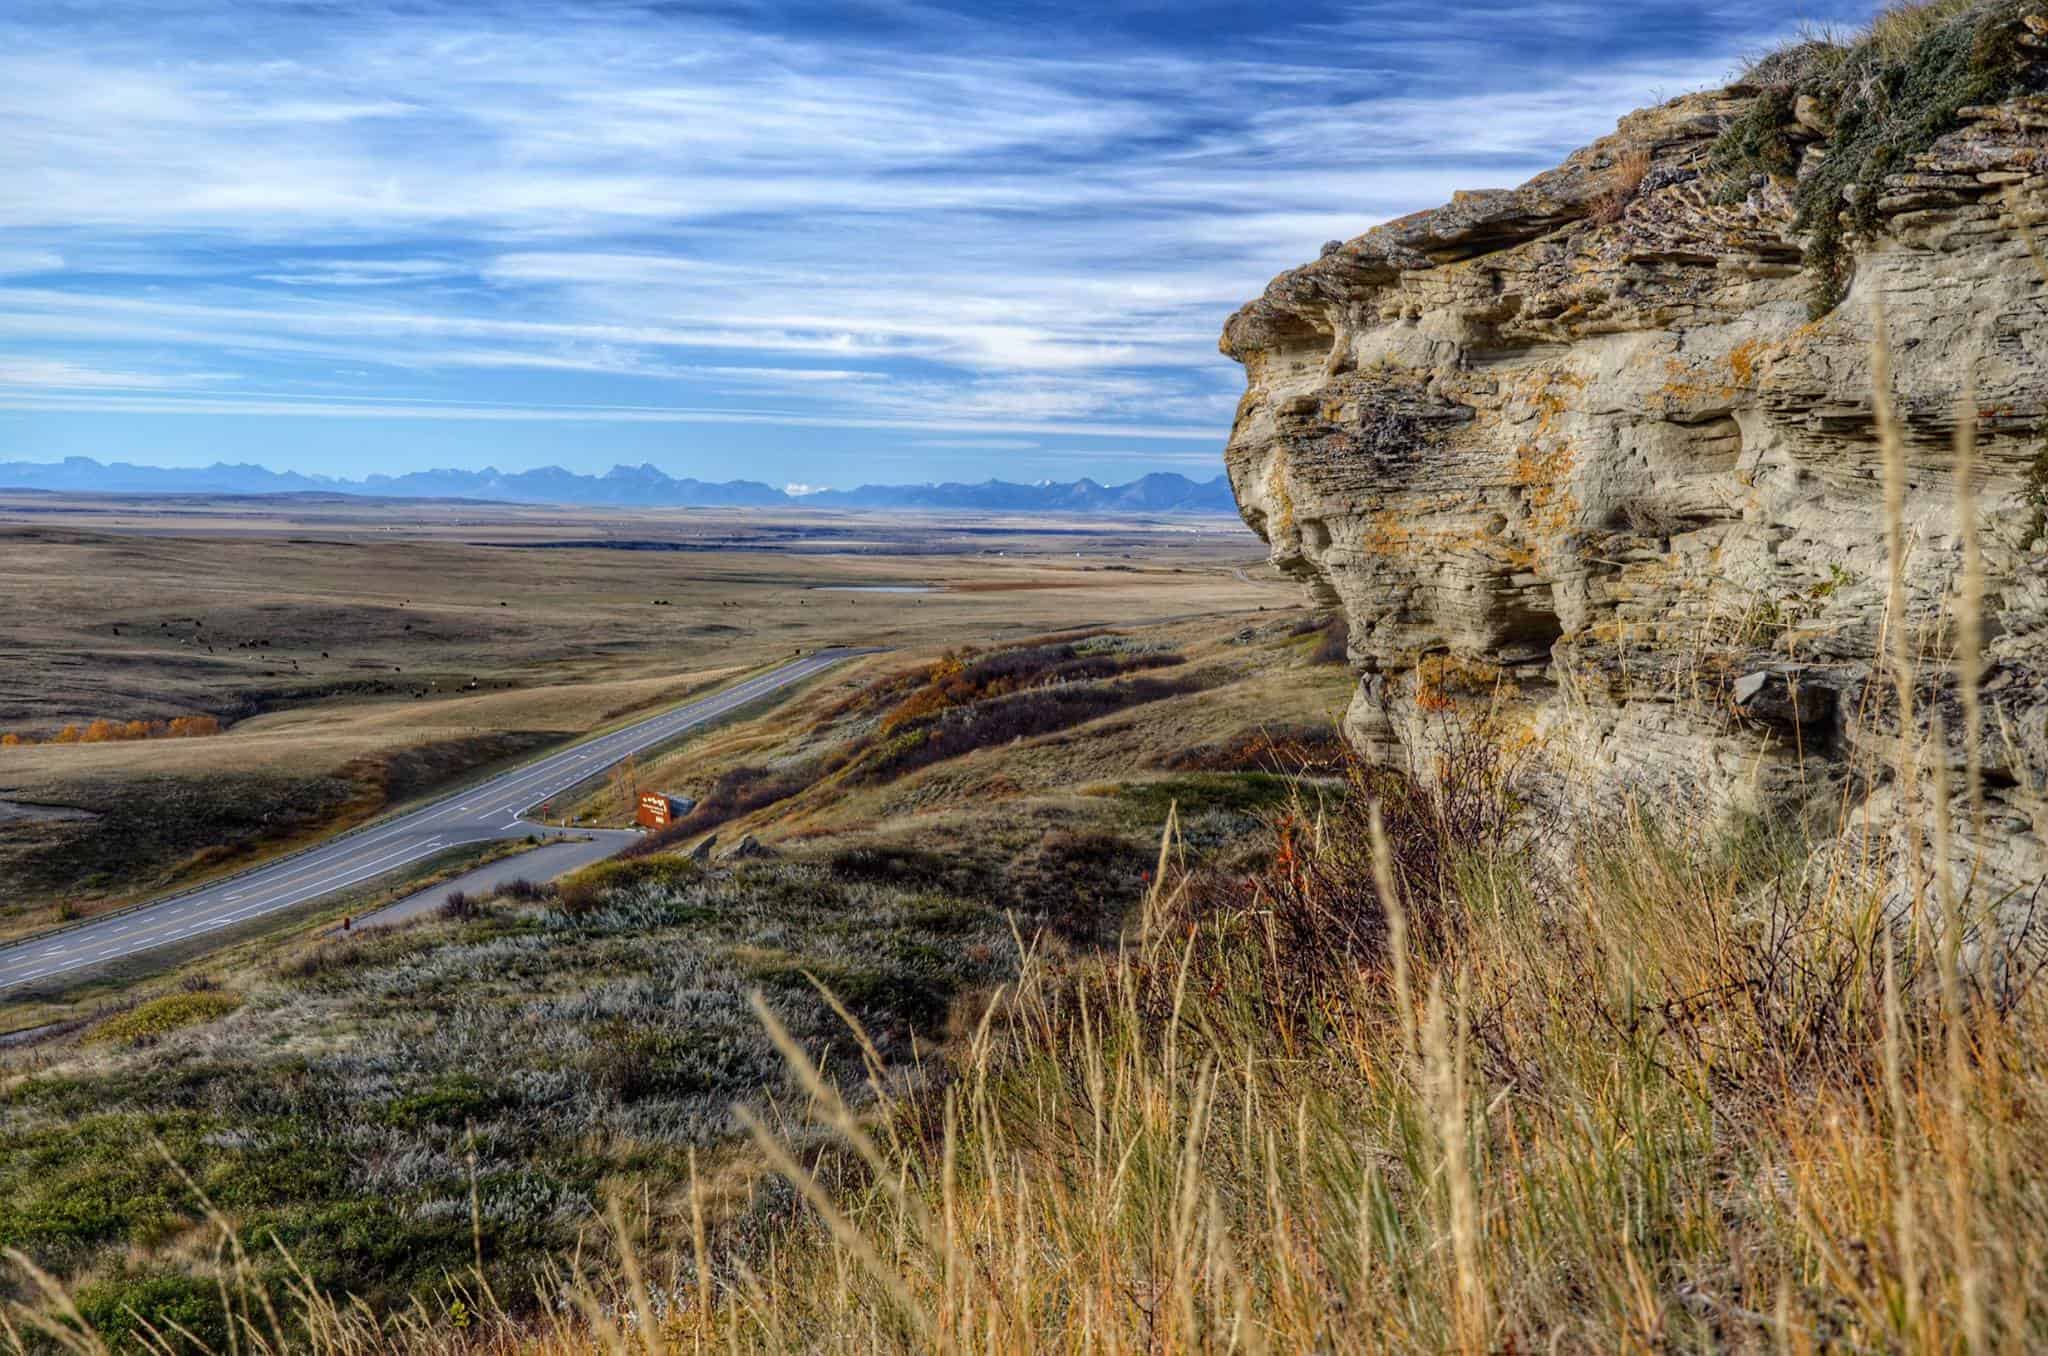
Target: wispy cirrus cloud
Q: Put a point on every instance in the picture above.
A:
(848, 225)
(294, 406)
(359, 272)
(18, 261)
(58, 375)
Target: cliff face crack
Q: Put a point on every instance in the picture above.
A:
(1601, 459)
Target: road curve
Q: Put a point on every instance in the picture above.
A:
(490, 809)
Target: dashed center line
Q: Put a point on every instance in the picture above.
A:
(353, 860)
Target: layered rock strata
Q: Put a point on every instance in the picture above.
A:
(1576, 459)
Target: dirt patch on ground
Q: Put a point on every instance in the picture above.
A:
(20, 812)
(1011, 585)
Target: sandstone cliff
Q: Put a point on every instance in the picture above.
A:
(1598, 460)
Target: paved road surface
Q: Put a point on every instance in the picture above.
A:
(576, 849)
(491, 809)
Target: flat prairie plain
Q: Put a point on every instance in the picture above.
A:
(361, 653)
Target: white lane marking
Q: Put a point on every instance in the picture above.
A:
(365, 874)
(289, 869)
(381, 857)
(380, 863)
(612, 746)
(620, 742)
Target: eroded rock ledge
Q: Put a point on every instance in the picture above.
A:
(1576, 454)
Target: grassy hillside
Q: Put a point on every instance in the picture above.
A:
(1665, 1099)
(974, 1061)
(1385, 1081)
(458, 1101)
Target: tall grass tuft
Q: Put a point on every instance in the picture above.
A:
(1651, 1103)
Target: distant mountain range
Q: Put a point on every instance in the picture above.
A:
(626, 486)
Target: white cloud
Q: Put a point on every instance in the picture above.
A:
(787, 376)
(58, 375)
(359, 272)
(333, 407)
(819, 231)
(29, 261)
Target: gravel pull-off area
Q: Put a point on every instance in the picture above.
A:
(544, 863)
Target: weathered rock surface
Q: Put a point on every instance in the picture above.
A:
(1574, 458)
(747, 849)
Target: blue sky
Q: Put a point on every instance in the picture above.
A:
(801, 243)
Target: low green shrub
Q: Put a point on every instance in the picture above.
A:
(952, 731)
(122, 1309)
(1333, 637)
(1889, 96)
(161, 1016)
(585, 889)
(453, 1102)
(1236, 792)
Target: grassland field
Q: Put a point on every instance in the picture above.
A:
(364, 654)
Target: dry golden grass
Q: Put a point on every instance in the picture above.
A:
(1900, 27)
(1625, 179)
(1565, 1128)
(950, 853)
(1267, 684)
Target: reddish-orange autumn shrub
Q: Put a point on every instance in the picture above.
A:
(955, 682)
(104, 731)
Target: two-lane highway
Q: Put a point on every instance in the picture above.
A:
(491, 809)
